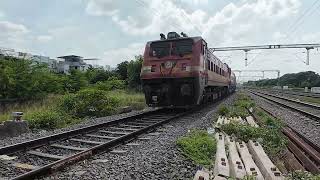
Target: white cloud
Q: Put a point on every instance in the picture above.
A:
(11, 29)
(195, 2)
(249, 22)
(1, 14)
(44, 38)
(236, 21)
(12, 35)
(102, 7)
(113, 57)
(245, 22)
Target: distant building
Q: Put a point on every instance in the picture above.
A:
(63, 65)
(72, 62)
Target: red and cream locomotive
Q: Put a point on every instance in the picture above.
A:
(179, 71)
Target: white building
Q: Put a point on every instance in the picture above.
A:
(63, 65)
(72, 62)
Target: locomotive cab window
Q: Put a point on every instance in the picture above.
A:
(182, 47)
(160, 49)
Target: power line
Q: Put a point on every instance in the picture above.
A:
(303, 14)
(196, 27)
(294, 25)
(300, 20)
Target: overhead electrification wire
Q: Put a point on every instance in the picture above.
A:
(295, 25)
(300, 20)
(190, 21)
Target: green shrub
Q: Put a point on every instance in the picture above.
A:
(236, 111)
(223, 110)
(268, 120)
(273, 140)
(129, 98)
(199, 146)
(48, 120)
(89, 102)
(112, 84)
(302, 175)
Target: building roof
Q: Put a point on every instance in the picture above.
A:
(70, 56)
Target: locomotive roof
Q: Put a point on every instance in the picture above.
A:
(181, 38)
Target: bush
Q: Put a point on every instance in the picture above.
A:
(223, 110)
(199, 146)
(272, 139)
(303, 175)
(268, 120)
(48, 120)
(89, 102)
(131, 98)
(112, 84)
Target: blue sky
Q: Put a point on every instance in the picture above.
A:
(117, 30)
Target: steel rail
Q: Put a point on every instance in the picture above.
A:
(304, 150)
(57, 165)
(302, 94)
(292, 100)
(64, 135)
(316, 117)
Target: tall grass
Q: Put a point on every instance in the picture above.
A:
(129, 98)
(58, 111)
(30, 107)
(198, 146)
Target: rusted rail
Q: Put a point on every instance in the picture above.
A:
(306, 152)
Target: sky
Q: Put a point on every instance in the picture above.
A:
(117, 30)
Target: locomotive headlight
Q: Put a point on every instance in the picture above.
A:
(185, 90)
(146, 69)
(185, 67)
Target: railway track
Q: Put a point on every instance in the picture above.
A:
(303, 94)
(306, 152)
(49, 154)
(307, 109)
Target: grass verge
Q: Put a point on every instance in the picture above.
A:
(61, 111)
(268, 134)
(198, 146)
(239, 108)
(310, 100)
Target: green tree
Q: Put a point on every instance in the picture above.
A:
(122, 70)
(75, 81)
(134, 68)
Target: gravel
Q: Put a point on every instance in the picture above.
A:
(157, 158)
(309, 128)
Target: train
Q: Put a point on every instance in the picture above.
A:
(180, 71)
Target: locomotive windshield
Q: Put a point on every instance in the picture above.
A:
(160, 49)
(177, 47)
(182, 47)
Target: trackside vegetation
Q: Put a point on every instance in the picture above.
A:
(293, 80)
(199, 146)
(268, 133)
(51, 100)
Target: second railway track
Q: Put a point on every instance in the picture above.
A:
(52, 153)
(307, 109)
(306, 152)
